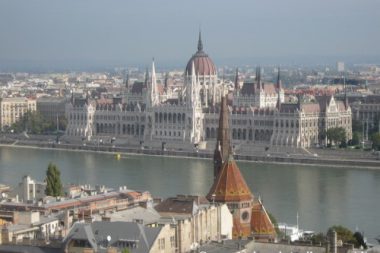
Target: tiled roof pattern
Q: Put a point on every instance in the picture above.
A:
(260, 221)
(230, 185)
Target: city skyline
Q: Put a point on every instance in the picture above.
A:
(96, 34)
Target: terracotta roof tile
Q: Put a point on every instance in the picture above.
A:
(260, 222)
(230, 185)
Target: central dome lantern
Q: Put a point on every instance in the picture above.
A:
(203, 64)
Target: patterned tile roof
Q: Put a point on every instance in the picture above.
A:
(230, 185)
(260, 221)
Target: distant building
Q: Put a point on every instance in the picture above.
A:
(12, 109)
(29, 190)
(52, 108)
(152, 115)
(29, 226)
(367, 111)
(110, 237)
(196, 220)
(340, 66)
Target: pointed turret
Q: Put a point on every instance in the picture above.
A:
(237, 87)
(200, 44)
(154, 85)
(279, 84)
(146, 80)
(258, 78)
(191, 94)
(166, 81)
(279, 89)
(151, 87)
(299, 97)
(345, 93)
(127, 80)
(223, 142)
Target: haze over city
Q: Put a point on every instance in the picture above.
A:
(168, 126)
(69, 35)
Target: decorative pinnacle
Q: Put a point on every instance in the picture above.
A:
(200, 44)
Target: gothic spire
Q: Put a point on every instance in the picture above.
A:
(200, 44)
(127, 80)
(299, 102)
(345, 93)
(166, 81)
(192, 92)
(146, 77)
(223, 142)
(154, 84)
(237, 80)
(279, 89)
(258, 77)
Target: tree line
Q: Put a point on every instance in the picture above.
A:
(33, 122)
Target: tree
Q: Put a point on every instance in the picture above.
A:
(322, 135)
(336, 135)
(360, 239)
(33, 122)
(344, 234)
(319, 238)
(375, 138)
(356, 136)
(53, 181)
(275, 224)
(357, 126)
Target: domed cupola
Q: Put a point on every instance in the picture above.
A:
(202, 63)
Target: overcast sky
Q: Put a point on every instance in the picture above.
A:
(97, 33)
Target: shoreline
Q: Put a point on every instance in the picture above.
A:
(304, 161)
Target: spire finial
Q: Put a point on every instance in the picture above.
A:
(200, 44)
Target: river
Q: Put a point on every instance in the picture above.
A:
(323, 196)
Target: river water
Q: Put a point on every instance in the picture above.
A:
(323, 196)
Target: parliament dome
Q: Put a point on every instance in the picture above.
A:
(202, 62)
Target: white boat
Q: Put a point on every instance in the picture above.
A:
(290, 231)
(293, 232)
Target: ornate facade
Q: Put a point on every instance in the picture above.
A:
(151, 115)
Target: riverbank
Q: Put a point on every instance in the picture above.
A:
(265, 158)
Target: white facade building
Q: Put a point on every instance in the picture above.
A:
(187, 118)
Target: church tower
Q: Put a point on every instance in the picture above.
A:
(223, 142)
(249, 215)
(229, 185)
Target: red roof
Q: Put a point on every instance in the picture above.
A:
(230, 185)
(260, 221)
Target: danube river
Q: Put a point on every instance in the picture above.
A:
(322, 196)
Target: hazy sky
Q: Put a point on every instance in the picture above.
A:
(97, 33)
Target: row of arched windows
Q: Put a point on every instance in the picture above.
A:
(242, 134)
(125, 129)
(169, 118)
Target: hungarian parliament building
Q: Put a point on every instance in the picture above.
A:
(152, 115)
